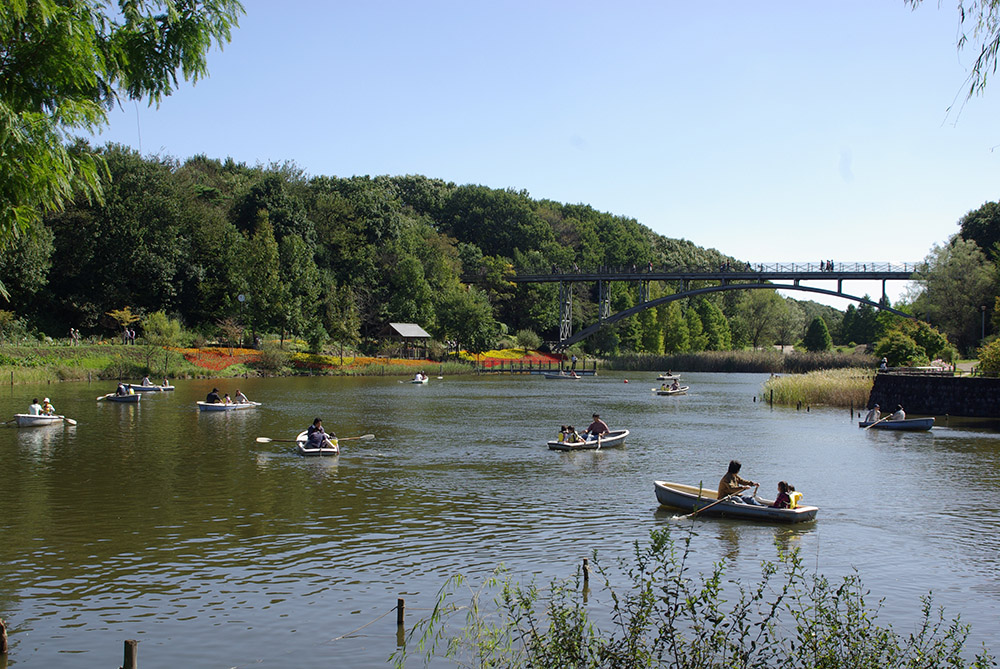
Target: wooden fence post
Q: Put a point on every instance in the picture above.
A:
(586, 571)
(131, 654)
(400, 610)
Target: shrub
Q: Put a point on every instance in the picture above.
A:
(667, 617)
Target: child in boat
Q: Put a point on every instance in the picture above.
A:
(782, 501)
(47, 407)
(572, 436)
(227, 399)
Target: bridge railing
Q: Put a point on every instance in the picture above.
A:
(742, 267)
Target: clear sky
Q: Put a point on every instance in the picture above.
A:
(786, 130)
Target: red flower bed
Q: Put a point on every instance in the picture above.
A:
(217, 359)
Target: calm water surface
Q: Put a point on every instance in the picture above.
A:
(176, 528)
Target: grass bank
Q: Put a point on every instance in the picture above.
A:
(53, 363)
(769, 361)
(831, 387)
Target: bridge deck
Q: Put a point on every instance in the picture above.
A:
(762, 272)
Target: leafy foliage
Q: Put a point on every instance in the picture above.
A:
(668, 616)
(817, 336)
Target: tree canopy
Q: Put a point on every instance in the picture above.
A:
(64, 64)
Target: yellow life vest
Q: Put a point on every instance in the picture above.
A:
(794, 498)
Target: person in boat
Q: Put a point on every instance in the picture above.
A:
(663, 386)
(572, 436)
(873, 414)
(733, 484)
(317, 437)
(131, 390)
(675, 385)
(121, 390)
(35, 409)
(783, 500)
(165, 382)
(213, 397)
(226, 399)
(145, 381)
(597, 428)
(241, 398)
(898, 414)
(47, 407)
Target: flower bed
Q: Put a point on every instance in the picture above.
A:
(217, 359)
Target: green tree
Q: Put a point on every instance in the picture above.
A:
(957, 282)
(900, 350)
(716, 327)
(790, 324)
(528, 340)
(466, 317)
(989, 357)
(675, 330)
(158, 329)
(817, 336)
(697, 339)
(265, 289)
(982, 226)
(64, 64)
(300, 313)
(760, 311)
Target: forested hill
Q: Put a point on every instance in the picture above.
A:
(326, 258)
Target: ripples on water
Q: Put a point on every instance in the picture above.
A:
(176, 528)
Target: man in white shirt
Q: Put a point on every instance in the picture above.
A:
(35, 409)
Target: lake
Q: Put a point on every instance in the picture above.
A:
(178, 529)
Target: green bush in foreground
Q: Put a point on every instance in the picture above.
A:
(669, 617)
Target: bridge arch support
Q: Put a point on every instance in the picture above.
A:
(590, 330)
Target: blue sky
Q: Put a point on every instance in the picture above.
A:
(772, 131)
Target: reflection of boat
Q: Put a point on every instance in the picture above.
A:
(34, 420)
(149, 389)
(668, 377)
(680, 391)
(914, 424)
(610, 440)
(690, 498)
(131, 399)
(301, 444)
(232, 406)
(561, 375)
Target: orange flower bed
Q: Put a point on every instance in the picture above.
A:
(217, 359)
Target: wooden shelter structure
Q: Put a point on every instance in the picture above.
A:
(412, 337)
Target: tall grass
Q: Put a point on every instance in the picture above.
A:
(670, 613)
(768, 361)
(832, 387)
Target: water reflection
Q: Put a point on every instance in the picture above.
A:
(156, 521)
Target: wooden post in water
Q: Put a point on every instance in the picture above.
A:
(3, 638)
(131, 660)
(586, 571)
(400, 610)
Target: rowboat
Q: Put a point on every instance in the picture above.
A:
(423, 380)
(910, 424)
(151, 389)
(129, 399)
(668, 377)
(610, 440)
(301, 444)
(690, 498)
(221, 406)
(34, 420)
(680, 391)
(561, 375)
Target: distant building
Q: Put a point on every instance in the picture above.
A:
(412, 337)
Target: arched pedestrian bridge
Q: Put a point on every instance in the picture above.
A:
(730, 276)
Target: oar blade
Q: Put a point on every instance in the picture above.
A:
(264, 440)
(69, 421)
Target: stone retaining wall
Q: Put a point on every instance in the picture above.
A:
(932, 395)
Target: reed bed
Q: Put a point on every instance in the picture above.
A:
(831, 387)
(767, 361)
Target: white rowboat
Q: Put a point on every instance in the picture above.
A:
(302, 446)
(610, 440)
(232, 406)
(35, 420)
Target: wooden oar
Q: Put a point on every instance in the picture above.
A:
(69, 421)
(103, 397)
(267, 440)
(877, 422)
(724, 499)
